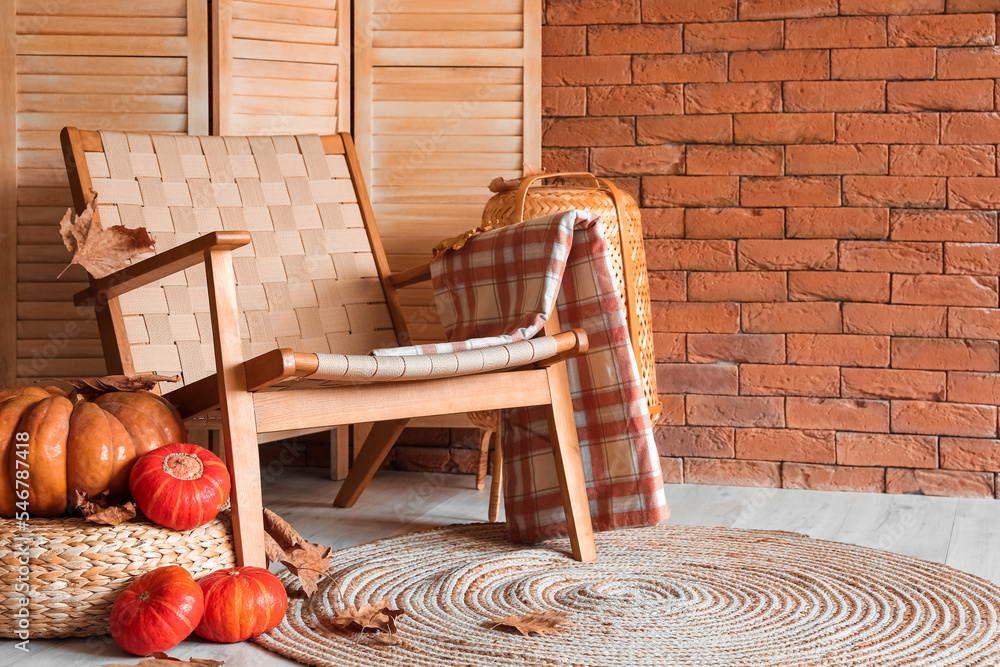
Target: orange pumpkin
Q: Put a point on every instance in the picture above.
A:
(80, 445)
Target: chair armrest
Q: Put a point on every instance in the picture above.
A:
(412, 276)
(159, 266)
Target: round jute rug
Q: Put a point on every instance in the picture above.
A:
(666, 595)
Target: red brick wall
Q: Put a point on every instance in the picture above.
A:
(819, 190)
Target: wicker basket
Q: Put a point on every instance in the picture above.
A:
(76, 568)
(621, 226)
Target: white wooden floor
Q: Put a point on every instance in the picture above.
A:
(963, 533)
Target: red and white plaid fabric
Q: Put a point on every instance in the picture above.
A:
(500, 287)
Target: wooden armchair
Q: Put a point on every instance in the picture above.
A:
(272, 326)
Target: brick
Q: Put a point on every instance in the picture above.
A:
(891, 256)
(968, 63)
(950, 483)
(898, 63)
(785, 445)
(737, 286)
(981, 388)
(585, 70)
(567, 159)
(564, 101)
(972, 6)
(844, 414)
(706, 441)
(687, 68)
(936, 418)
(834, 95)
(735, 411)
(697, 317)
(883, 449)
(684, 129)
(673, 410)
(672, 469)
(584, 12)
(790, 191)
(912, 191)
(838, 350)
(719, 379)
(974, 323)
(973, 193)
(669, 347)
(940, 290)
(742, 160)
(873, 128)
(783, 128)
(892, 383)
(791, 317)
(838, 286)
(714, 191)
(969, 128)
(783, 255)
(975, 259)
(940, 95)
(637, 160)
(835, 33)
(788, 380)
(732, 473)
(837, 159)
(945, 354)
(890, 7)
(714, 98)
(736, 36)
(659, 223)
(781, 9)
(633, 39)
(684, 11)
(925, 160)
(635, 100)
(957, 30)
(963, 226)
(690, 255)
(832, 478)
(668, 286)
(567, 132)
(836, 223)
(736, 348)
(970, 454)
(734, 223)
(894, 320)
(559, 40)
(780, 65)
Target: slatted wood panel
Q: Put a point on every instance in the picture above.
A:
(129, 65)
(448, 96)
(281, 67)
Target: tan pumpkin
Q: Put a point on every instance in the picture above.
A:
(77, 445)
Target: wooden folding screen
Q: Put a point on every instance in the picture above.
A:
(447, 97)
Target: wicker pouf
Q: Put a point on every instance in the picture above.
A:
(76, 569)
(622, 227)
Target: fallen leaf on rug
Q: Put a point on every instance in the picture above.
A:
(306, 560)
(101, 251)
(99, 510)
(110, 383)
(377, 616)
(537, 622)
(164, 660)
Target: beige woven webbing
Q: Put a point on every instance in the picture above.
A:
(308, 279)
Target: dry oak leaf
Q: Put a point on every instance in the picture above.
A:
(163, 660)
(109, 383)
(98, 510)
(537, 622)
(377, 616)
(306, 560)
(101, 251)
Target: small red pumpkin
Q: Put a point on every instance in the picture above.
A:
(180, 486)
(241, 603)
(157, 611)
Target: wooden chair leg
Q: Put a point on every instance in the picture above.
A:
(569, 466)
(380, 440)
(339, 452)
(497, 485)
(484, 458)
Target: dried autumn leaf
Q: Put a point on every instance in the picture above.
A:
(164, 660)
(376, 616)
(101, 251)
(109, 383)
(306, 560)
(536, 622)
(99, 510)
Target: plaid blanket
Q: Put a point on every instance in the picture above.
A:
(500, 288)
